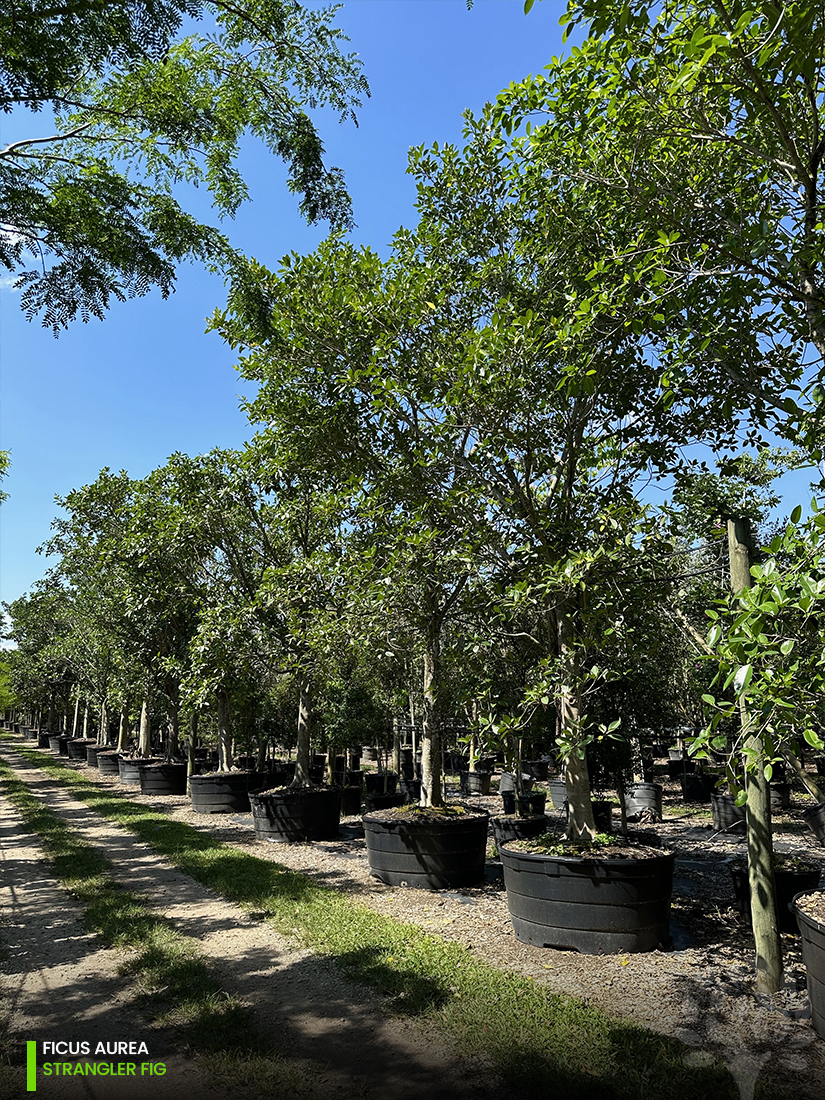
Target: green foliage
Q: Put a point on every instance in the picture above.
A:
(139, 112)
(769, 646)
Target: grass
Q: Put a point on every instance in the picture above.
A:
(172, 981)
(541, 1042)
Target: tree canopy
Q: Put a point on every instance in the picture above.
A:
(90, 209)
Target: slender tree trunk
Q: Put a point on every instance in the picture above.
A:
(86, 718)
(123, 729)
(396, 747)
(103, 725)
(580, 823)
(431, 786)
(224, 733)
(302, 778)
(51, 711)
(413, 738)
(758, 806)
(76, 719)
(145, 735)
(190, 753)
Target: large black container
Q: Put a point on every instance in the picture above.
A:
(380, 801)
(697, 788)
(374, 782)
(642, 798)
(129, 768)
(163, 779)
(76, 749)
(59, 744)
(296, 814)
(536, 768)
(474, 782)
(815, 820)
(507, 782)
(557, 789)
(602, 815)
(727, 816)
(411, 789)
(591, 905)
(780, 796)
(428, 852)
(789, 883)
(92, 751)
(108, 762)
(813, 955)
(224, 792)
(43, 739)
(351, 801)
(518, 828)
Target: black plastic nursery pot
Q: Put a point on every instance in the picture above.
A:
(815, 820)
(351, 800)
(507, 827)
(108, 762)
(643, 798)
(224, 792)
(780, 796)
(530, 804)
(163, 779)
(411, 789)
(129, 768)
(557, 789)
(602, 815)
(789, 883)
(91, 754)
(374, 782)
(59, 744)
(296, 813)
(537, 769)
(697, 788)
(591, 905)
(76, 749)
(812, 929)
(423, 849)
(474, 782)
(727, 816)
(507, 783)
(43, 740)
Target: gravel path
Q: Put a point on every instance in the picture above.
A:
(700, 991)
(61, 984)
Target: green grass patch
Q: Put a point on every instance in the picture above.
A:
(172, 981)
(541, 1042)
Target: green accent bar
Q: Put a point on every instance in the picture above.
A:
(31, 1066)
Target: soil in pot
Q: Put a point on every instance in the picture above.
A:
(587, 902)
(224, 792)
(790, 881)
(427, 848)
(293, 814)
(810, 916)
(511, 827)
(380, 801)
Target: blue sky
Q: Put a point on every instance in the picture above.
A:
(147, 381)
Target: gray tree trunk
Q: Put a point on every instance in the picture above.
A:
(302, 777)
(758, 806)
(123, 729)
(431, 786)
(145, 735)
(580, 824)
(224, 733)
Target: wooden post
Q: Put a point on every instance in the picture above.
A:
(758, 806)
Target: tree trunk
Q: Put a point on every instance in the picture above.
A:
(396, 747)
(758, 806)
(431, 787)
(580, 824)
(302, 778)
(224, 733)
(123, 729)
(190, 752)
(86, 719)
(145, 735)
(75, 720)
(103, 724)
